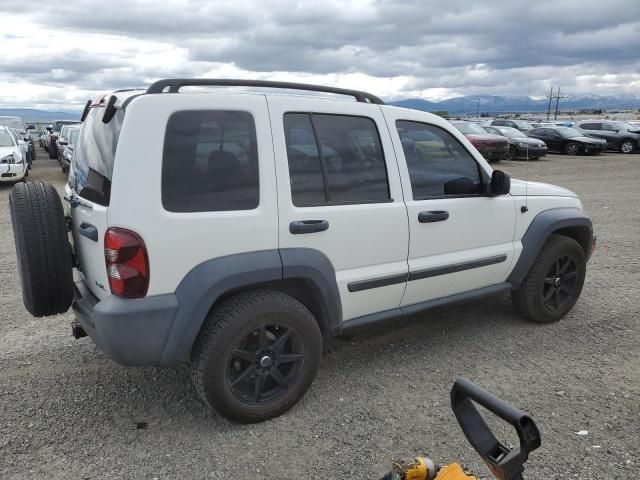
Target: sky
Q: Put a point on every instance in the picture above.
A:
(56, 55)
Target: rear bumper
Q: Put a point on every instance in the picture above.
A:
(130, 331)
(493, 152)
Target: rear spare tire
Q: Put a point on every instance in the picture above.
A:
(42, 247)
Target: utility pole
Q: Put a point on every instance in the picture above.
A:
(558, 97)
(549, 106)
(478, 109)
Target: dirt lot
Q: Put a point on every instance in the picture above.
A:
(67, 411)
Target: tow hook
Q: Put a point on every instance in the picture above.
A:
(77, 331)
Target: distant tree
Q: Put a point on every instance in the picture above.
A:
(441, 113)
(485, 115)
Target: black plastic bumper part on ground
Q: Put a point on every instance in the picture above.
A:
(130, 331)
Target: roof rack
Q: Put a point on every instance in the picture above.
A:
(174, 84)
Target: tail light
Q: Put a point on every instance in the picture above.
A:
(127, 263)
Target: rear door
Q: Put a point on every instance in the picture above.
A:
(336, 169)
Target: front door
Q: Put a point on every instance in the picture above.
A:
(339, 193)
(461, 238)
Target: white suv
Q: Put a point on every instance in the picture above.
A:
(234, 231)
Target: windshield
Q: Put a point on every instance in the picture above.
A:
(511, 132)
(58, 125)
(6, 140)
(73, 136)
(522, 124)
(469, 128)
(567, 132)
(12, 122)
(623, 126)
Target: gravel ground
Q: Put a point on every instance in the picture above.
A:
(67, 411)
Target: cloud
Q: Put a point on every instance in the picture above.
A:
(395, 48)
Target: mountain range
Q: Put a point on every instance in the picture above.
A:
(499, 103)
(33, 115)
(467, 104)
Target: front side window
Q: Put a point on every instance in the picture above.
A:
(590, 126)
(334, 159)
(438, 164)
(210, 162)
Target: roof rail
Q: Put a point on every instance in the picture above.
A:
(174, 85)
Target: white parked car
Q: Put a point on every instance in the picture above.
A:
(13, 164)
(235, 231)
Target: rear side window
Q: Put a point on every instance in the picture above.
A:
(334, 159)
(210, 162)
(94, 154)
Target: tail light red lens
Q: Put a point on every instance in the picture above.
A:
(127, 263)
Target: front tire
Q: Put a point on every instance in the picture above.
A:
(553, 285)
(256, 355)
(571, 148)
(626, 146)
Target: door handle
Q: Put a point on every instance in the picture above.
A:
(308, 226)
(433, 216)
(89, 231)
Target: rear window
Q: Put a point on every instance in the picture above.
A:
(94, 154)
(210, 162)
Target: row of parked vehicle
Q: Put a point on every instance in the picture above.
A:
(17, 150)
(58, 140)
(511, 139)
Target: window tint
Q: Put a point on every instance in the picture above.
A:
(498, 122)
(210, 162)
(334, 159)
(438, 164)
(589, 126)
(607, 127)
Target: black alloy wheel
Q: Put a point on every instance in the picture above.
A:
(560, 283)
(265, 364)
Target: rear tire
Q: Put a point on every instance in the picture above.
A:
(42, 247)
(237, 365)
(553, 285)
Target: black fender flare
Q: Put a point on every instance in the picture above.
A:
(210, 280)
(539, 230)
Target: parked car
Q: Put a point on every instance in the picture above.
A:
(520, 145)
(219, 243)
(521, 125)
(66, 144)
(52, 146)
(618, 135)
(24, 131)
(492, 147)
(22, 144)
(568, 140)
(62, 137)
(13, 164)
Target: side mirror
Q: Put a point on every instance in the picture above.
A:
(500, 183)
(21, 142)
(31, 127)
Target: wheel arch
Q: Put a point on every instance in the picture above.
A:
(305, 274)
(568, 221)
